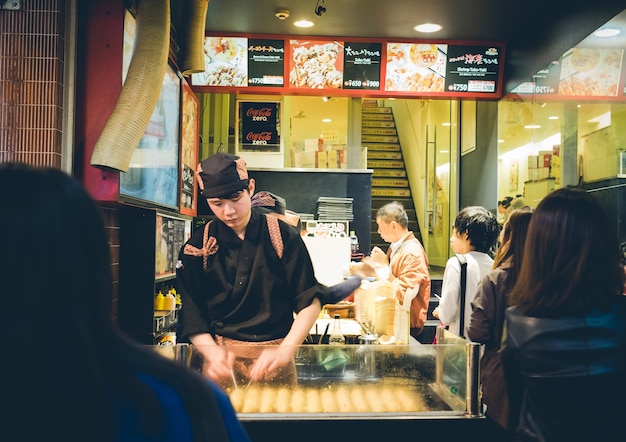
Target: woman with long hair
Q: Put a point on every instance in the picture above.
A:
(487, 320)
(565, 343)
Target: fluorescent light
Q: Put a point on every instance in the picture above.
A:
(607, 32)
(532, 126)
(303, 23)
(428, 27)
(327, 120)
(553, 117)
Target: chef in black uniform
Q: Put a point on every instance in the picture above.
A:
(241, 283)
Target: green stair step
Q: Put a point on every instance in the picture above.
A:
(390, 182)
(378, 131)
(367, 123)
(395, 173)
(378, 139)
(391, 192)
(385, 164)
(384, 155)
(375, 110)
(378, 147)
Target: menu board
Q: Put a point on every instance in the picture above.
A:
(259, 126)
(266, 62)
(225, 62)
(588, 72)
(472, 69)
(361, 65)
(316, 64)
(378, 67)
(415, 67)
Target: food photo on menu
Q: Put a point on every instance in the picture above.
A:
(225, 62)
(591, 72)
(415, 67)
(316, 64)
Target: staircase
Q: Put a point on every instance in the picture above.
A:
(389, 177)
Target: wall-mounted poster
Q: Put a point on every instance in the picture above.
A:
(415, 67)
(225, 62)
(153, 175)
(361, 65)
(266, 62)
(259, 124)
(316, 64)
(189, 152)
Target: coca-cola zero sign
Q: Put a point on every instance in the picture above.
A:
(260, 128)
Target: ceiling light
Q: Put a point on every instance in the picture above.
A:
(428, 27)
(532, 126)
(303, 23)
(327, 120)
(553, 117)
(607, 32)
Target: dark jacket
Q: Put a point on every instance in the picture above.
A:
(567, 375)
(485, 327)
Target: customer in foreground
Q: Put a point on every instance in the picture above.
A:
(69, 374)
(565, 348)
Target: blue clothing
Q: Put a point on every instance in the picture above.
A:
(176, 425)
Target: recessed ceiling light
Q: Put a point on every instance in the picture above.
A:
(553, 117)
(532, 126)
(303, 23)
(607, 32)
(327, 120)
(428, 27)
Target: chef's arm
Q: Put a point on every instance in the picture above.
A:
(218, 362)
(302, 324)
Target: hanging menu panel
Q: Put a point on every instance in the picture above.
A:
(472, 69)
(225, 62)
(361, 65)
(266, 62)
(409, 68)
(316, 64)
(415, 67)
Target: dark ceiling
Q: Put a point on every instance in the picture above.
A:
(535, 32)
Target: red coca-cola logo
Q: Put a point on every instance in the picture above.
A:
(261, 136)
(263, 112)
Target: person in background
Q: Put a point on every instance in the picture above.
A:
(69, 374)
(406, 261)
(241, 279)
(475, 234)
(564, 352)
(503, 208)
(487, 320)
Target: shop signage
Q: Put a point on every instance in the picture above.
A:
(266, 62)
(349, 67)
(259, 126)
(361, 65)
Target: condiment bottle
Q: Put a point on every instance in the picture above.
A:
(159, 301)
(336, 337)
(169, 302)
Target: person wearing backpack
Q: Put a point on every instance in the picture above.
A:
(241, 279)
(473, 240)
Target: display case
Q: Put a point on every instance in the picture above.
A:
(359, 389)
